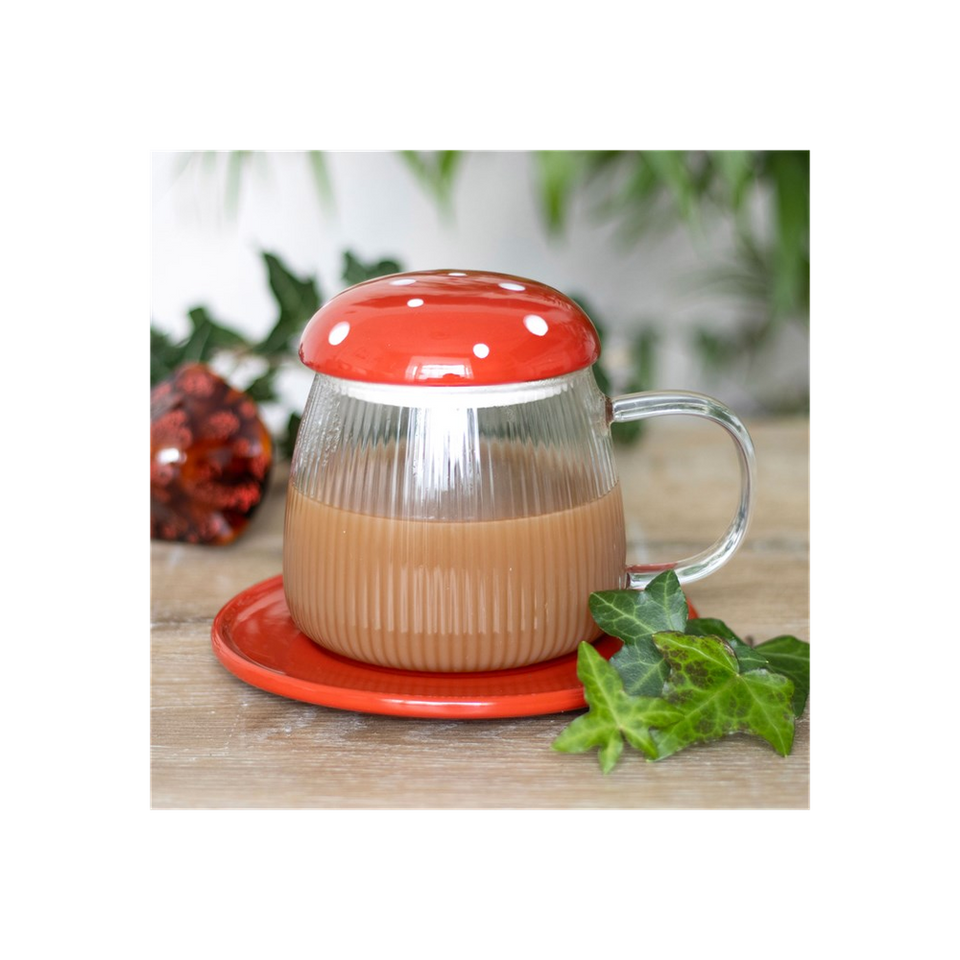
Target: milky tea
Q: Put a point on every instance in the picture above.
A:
(444, 595)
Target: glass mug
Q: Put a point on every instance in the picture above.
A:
(453, 498)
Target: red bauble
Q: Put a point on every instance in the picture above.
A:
(210, 458)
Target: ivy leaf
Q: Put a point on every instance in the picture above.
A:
(263, 389)
(208, 337)
(747, 656)
(298, 300)
(613, 715)
(288, 441)
(642, 668)
(785, 655)
(790, 657)
(715, 699)
(356, 271)
(165, 356)
(632, 615)
(635, 616)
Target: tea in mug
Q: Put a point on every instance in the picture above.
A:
(443, 595)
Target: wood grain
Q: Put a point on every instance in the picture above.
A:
(218, 743)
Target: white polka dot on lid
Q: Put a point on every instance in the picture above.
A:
(415, 302)
(536, 325)
(512, 286)
(338, 333)
(403, 282)
(481, 350)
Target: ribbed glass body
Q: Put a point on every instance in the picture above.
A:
(455, 529)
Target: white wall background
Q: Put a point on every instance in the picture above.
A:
(204, 254)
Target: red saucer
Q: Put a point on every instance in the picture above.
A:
(255, 638)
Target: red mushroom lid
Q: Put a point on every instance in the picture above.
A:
(449, 327)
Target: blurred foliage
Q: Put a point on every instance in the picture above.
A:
(639, 192)
(641, 369)
(355, 271)
(232, 167)
(768, 272)
(298, 298)
(209, 340)
(435, 171)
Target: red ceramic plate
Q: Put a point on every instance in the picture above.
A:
(255, 638)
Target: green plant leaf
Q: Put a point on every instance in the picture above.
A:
(627, 432)
(715, 699)
(165, 356)
(692, 682)
(263, 388)
(236, 161)
(672, 168)
(447, 163)
(356, 271)
(207, 337)
(791, 657)
(641, 372)
(435, 170)
(613, 715)
(642, 668)
(736, 170)
(559, 172)
(635, 616)
(603, 383)
(642, 366)
(636, 201)
(643, 355)
(321, 175)
(599, 368)
(747, 656)
(298, 300)
(790, 171)
(288, 441)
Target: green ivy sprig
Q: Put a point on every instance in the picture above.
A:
(297, 299)
(679, 681)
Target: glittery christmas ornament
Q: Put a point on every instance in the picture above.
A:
(210, 458)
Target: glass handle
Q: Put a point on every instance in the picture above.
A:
(640, 406)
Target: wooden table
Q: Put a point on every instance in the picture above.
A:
(219, 743)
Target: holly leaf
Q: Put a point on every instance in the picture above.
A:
(747, 656)
(790, 657)
(614, 715)
(715, 699)
(635, 616)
